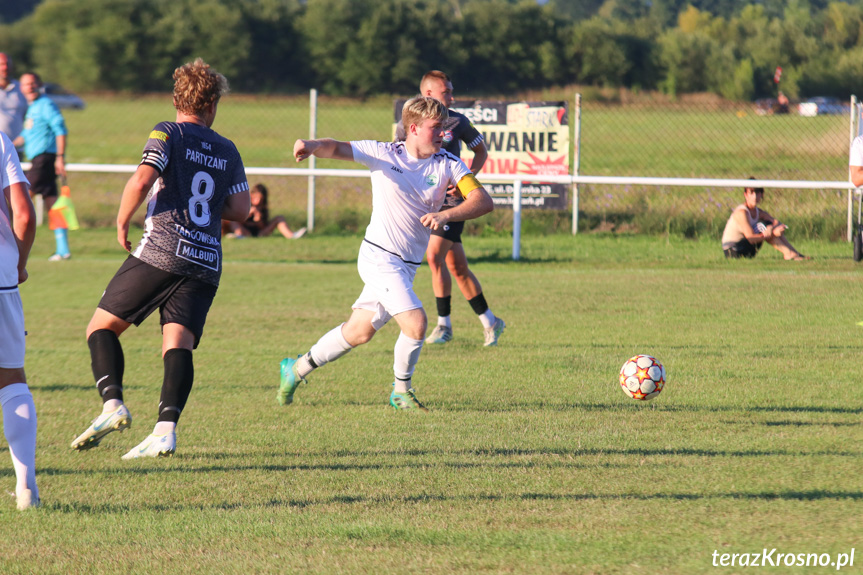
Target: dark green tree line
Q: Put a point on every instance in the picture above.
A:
(367, 47)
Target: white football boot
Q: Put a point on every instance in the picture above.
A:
(155, 446)
(117, 420)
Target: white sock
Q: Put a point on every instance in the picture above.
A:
(164, 427)
(444, 321)
(407, 354)
(19, 425)
(401, 386)
(487, 318)
(111, 406)
(330, 347)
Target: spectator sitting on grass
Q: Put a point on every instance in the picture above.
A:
(259, 224)
(749, 227)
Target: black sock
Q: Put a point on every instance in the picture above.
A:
(179, 377)
(443, 305)
(478, 304)
(106, 360)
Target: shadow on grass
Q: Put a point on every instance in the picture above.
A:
(294, 260)
(808, 423)
(179, 466)
(809, 409)
(625, 406)
(665, 452)
(387, 500)
(813, 495)
(62, 386)
(505, 257)
(400, 460)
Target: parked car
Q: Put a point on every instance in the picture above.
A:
(62, 98)
(820, 106)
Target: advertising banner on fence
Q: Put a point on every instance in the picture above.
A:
(522, 138)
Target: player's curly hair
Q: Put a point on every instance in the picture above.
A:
(196, 87)
(422, 108)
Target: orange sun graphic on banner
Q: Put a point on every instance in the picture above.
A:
(547, 167)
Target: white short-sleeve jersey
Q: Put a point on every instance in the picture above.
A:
(10, 173)
(856, 155)
(404, 189)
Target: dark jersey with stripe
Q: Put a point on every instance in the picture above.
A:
(198, 170)
(457, 129)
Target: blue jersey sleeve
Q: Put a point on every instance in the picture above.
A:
(55, 119)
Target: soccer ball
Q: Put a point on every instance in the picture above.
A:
(642, 377)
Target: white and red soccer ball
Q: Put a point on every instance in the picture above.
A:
(642, 377)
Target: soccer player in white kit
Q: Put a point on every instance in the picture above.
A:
(17, 231)
(409, 184)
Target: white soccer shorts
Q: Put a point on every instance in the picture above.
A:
(11, 330)
(389, 284)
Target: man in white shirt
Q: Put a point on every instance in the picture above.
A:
(855, 161)
(409, 184)
(17, 231)
(13, 104)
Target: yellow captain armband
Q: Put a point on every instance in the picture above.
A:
(468, 184)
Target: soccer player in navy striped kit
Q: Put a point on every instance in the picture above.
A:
(191, 178)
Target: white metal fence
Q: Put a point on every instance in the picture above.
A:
(574, 180)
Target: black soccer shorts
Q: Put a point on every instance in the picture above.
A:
(451, 231)
(742, 249)
(138, 289)
(43, 176)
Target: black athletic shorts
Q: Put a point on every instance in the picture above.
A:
(138, 288)
(43, 176)
(253, 229)
(451, 231)
(742, 249)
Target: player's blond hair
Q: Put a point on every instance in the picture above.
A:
(196, 87)
(422, 108)
(433, 75)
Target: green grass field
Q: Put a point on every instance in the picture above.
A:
(713, 143)
(531, 459)
(113, 129)
(662, 140)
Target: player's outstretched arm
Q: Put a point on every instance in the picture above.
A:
(23, 223)
(323, 148)
(133, 195)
